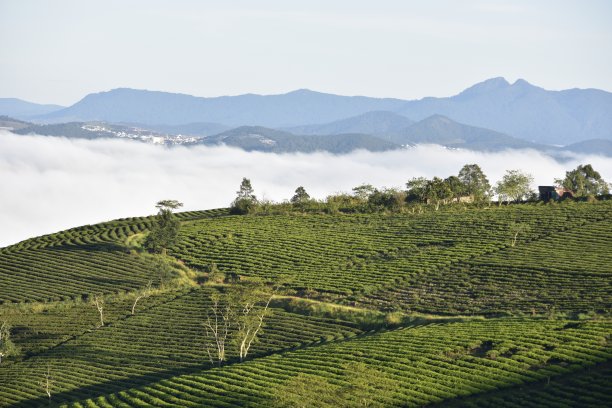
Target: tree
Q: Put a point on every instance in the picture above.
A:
(475, 182)
(387, 198)
(300, 196)
(254, 301)
(416, 188)
(517, 228)
(7, 347)
(144, 293)
(47, 381)
(363, 191)
(168, 204)
(238, 314)
(98, 302)
(584, 181)
(165, 230)
(245, 201)
(437, 191)
(219, 321)
(456, 187)
(514, 186)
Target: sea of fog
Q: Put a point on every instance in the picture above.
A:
(51, 183)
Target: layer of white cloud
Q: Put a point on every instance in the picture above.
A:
(48, 184)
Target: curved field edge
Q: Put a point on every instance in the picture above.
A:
(429, 364)
(76, 263)
(164, 338)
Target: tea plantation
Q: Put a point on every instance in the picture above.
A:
(440, 308)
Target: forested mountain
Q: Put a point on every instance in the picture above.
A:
(372, 123)
(438, 129)
(519, 110)
(277, 141)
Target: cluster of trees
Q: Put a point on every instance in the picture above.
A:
(236, 317)
(470, 182)
(469, 185)
(584, 181)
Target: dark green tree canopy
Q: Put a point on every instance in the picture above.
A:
(584, 181)
(245, 201)
(246, 191)
(437, 191)
(300, 196)
(475, 182)
(165, 229)
(387, 198)
(416, 188)
(457, 188)
(168, 204)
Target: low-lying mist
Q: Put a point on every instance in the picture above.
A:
(48, 183)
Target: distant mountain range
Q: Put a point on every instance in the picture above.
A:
(492, 115)
(20, 109)
(149, 107)
(436, 129)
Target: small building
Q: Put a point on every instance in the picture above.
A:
(548, 193)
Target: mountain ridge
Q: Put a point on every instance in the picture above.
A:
(520, 110)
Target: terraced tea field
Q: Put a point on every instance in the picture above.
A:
(423, 256)
(79, 262)
(498, 324)
(428, 364)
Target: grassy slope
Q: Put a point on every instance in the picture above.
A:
(448, 262)
(428, 363)
(432, 256)
(163, 339)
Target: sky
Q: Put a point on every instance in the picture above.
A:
(49, 184)
(59, 51)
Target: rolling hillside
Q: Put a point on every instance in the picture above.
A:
(403, 309)
(270, 140)
(438, 129)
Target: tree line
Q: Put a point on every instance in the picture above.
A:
(470, 185)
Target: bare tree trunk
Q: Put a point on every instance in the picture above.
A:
(98, 301)
(514, 240)
(218, 325)
(144, 294)
(250, 333)
(47, 382)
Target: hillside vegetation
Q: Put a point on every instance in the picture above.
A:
(445, 307)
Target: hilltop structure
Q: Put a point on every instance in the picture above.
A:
(554, 193)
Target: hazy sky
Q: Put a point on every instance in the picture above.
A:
(58, 51)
